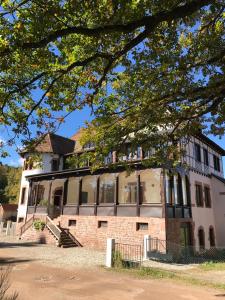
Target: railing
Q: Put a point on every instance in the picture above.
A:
(127, 255)
(56, 231)
(72, 237)
(27, 225)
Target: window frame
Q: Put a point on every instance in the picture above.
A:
(206, 156)
(207, 199)
(197, 152)
(199, 202)
(23, 194)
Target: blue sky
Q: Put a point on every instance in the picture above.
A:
(71, 125)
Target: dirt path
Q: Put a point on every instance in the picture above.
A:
(34, 277)
(39, 282)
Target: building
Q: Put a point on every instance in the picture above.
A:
(8, 212)
(185, 207)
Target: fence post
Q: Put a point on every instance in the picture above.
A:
(1, 227)
(146, 246)
(8, 228)
(110, 247)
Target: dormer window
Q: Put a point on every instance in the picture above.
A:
(55, 164)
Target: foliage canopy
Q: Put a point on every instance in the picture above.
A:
(140, 65)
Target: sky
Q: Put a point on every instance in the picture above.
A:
(72, 124)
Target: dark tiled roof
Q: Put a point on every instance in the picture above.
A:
(9, 207)
(53, 143)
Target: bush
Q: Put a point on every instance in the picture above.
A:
(117, 259)
(5, 285)
(39, 225)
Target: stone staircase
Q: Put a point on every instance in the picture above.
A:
(62, 235)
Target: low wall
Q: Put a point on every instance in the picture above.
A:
(39, 236)
(92, 232)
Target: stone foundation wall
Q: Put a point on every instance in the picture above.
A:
(41, 237)
(91, 233)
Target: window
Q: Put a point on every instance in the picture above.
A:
(20, 220)
(206, 157)
(23, 195)
(198, 195)
(72, 222)
(142, 226)
(216, 161)
(207, 196)
(107, 188)
(212, 237)
(89, 190)
(89, 145)
(55, 164)
(197, 152)
(201, 239)
(73, 190)
(40, 194)
(150, 186)
(127, 188)
(102, 224)
(179, 190)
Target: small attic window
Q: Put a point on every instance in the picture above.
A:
(55, 164)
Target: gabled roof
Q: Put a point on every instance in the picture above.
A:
(53, 143)
(211, 143)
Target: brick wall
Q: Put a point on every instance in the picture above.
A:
(123, 229)
(36, 236)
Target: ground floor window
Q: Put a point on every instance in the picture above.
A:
(212, 237)
(107, 185)
(127, 188)
(201, 238)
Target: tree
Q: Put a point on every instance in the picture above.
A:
(9, 184)
(140, 65)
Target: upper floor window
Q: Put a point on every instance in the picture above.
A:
(206, 157)
(197, 152)
(22, 201)
(198, 195)
(216, 162)
(55, 164)
(207, 196)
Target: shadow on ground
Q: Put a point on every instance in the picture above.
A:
(11, 260)
(15, 244)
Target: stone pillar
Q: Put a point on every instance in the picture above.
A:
(110, 247)
(1, 227)
(184, 190)
(146, 246)
(167, 187)
(175, 189)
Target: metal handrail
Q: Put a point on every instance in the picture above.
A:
(27, 225)
(56, 231)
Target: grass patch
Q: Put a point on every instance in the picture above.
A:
(156, 273)
(211, 266)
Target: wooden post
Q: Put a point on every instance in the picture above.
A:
(49, 198)
(116, 195)
(64, 198)
(138, 195)
(97, 197)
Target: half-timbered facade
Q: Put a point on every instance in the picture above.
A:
(182, 206)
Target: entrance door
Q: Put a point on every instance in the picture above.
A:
(57, 200)
(185, 235)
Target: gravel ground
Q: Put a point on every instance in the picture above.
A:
(52, 255)
(70, 257)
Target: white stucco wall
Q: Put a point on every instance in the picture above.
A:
(202, 216)
(218, 189)
(46, 167)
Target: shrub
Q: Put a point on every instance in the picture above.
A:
(39, 225)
